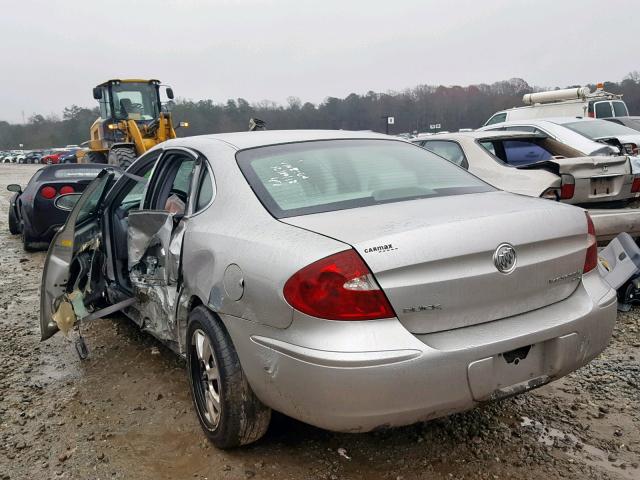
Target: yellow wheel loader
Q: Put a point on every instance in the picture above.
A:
(132, 120)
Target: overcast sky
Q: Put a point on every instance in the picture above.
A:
(53, 52)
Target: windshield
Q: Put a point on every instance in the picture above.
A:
(322, 176)
(135, 101)
(596, 129)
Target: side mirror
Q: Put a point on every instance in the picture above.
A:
(170, 93)
(67, 202)
(97, 93)
(14, 187)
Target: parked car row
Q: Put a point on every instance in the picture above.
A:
(68, 154)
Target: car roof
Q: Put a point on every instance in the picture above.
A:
(629, 117)
(244, 140)
(477, 134)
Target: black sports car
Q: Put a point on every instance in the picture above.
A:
(38, 211)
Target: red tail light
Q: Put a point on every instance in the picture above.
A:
(591, 115)
(567, 187)
(635, 186)
(66, 189)
(48, 192)
(338, 287)
(591, 260)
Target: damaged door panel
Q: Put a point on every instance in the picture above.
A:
(154, 247)
(73, 286)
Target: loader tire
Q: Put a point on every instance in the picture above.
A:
(121, 157)
(95, 157)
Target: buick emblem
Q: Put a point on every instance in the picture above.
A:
(504, 258)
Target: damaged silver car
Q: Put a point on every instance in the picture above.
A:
(535, 164)
(350, 280)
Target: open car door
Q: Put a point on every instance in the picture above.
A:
(154, 240)
(72, 281)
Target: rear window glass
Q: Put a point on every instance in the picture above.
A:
(75, 172)
(595, 129)
(619, 109)
(522, 152)
(313, 177)
(634, 123)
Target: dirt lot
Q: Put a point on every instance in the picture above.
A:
(126, 411)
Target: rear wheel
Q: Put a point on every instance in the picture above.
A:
(96, 157)
(27, 242)
(229, 412)
(14, 224)
(122, 157)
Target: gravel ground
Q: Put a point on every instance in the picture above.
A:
(126, 411)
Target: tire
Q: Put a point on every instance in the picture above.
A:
(27, 241)
(95, 157)
(122, 157)
(14, 224)
(240, 418)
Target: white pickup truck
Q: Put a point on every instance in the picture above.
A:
(570, 102)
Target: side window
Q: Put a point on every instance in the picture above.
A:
(524, 152)
(603, 109)
(132, 199)
(449, 150)
(488, 146)
(620, 109)
(497, 118)
(170, 183)
(205, 191)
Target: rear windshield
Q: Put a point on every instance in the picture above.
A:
(517, 152)
(323, 176)
(634, 123)
(74, 172)
(595, 129)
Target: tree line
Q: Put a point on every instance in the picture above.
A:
(415, 109)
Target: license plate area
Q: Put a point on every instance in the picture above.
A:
(521, 369)
(601, 186)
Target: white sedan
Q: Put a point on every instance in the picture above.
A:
(589, 136)
(536, 165)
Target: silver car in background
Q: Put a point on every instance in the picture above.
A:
(350, 280)
(587, 135)
(537, 165)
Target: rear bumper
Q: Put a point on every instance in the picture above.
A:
(360, 376)
(610, 222)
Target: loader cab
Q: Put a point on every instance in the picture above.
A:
(137, 100)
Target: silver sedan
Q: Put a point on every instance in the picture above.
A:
(350, 280)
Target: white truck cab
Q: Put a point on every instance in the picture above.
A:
(570, 102)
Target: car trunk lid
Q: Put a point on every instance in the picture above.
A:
(434, 257)
(597, 178)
